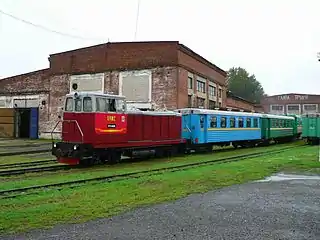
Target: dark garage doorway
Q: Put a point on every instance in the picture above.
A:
(26, 123)
(23, 122)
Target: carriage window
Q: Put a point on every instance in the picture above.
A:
(255, 122)
(240, 122)
(201, 121)
(78, 104)
(87, 104)
(213, 122)
(69, 104)
(101, 104)
(232, 122)
(223, 122)
(248, 122)
(274, 123)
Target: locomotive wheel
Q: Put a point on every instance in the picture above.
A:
(114, 157)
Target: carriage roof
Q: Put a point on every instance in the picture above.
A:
(230, 113)
(216, 112)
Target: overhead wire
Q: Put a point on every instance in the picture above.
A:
(48, 29)
(137, 20)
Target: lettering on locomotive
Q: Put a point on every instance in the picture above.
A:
(111, 118)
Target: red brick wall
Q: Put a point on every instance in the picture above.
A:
(32, 81)
(199, 68)
(233, 103)
(115, 56)
(182, 88)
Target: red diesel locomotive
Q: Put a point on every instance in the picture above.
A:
(98, 128)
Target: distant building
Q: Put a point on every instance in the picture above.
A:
(291, 103)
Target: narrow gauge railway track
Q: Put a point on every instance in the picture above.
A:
(111, 178)
(35, 169)
(13, 153)
(26, 164)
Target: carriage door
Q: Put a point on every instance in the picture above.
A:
(203, 128)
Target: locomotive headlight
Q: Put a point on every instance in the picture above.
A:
(54, 145)
(75, 147)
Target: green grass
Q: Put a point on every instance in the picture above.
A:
(25, 158)
(105, 199)
(99, 171)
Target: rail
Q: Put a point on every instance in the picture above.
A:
(78, 126)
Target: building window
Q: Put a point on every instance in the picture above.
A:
(190, 82)
(220, 104)
(201, 86)
(276, 108)
(189, 101)
(212, 91)
(293, 107)
(310, 107)
(220, 92)
(212, 104)
(200, 102)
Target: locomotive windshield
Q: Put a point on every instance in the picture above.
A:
(94, 104)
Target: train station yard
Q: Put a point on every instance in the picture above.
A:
(54, 196)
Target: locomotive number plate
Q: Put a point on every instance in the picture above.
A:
(111, 126)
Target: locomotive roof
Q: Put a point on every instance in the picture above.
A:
(209, 111)
(95, 94)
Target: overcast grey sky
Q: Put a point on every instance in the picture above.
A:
(277, 40)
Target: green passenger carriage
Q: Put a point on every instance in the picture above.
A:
(311, 128)
(278, 128)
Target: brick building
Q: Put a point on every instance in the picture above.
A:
(237, 103)
(152, 75)
(292, 103)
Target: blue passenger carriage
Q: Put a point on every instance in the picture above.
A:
(212, 127)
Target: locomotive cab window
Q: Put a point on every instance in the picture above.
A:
(232, 122)
(223, 122)
(101, 104)
(69, 104)
(78, 104)
(213, 122)
(248, 122)
(240, 122)
(87, 104)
